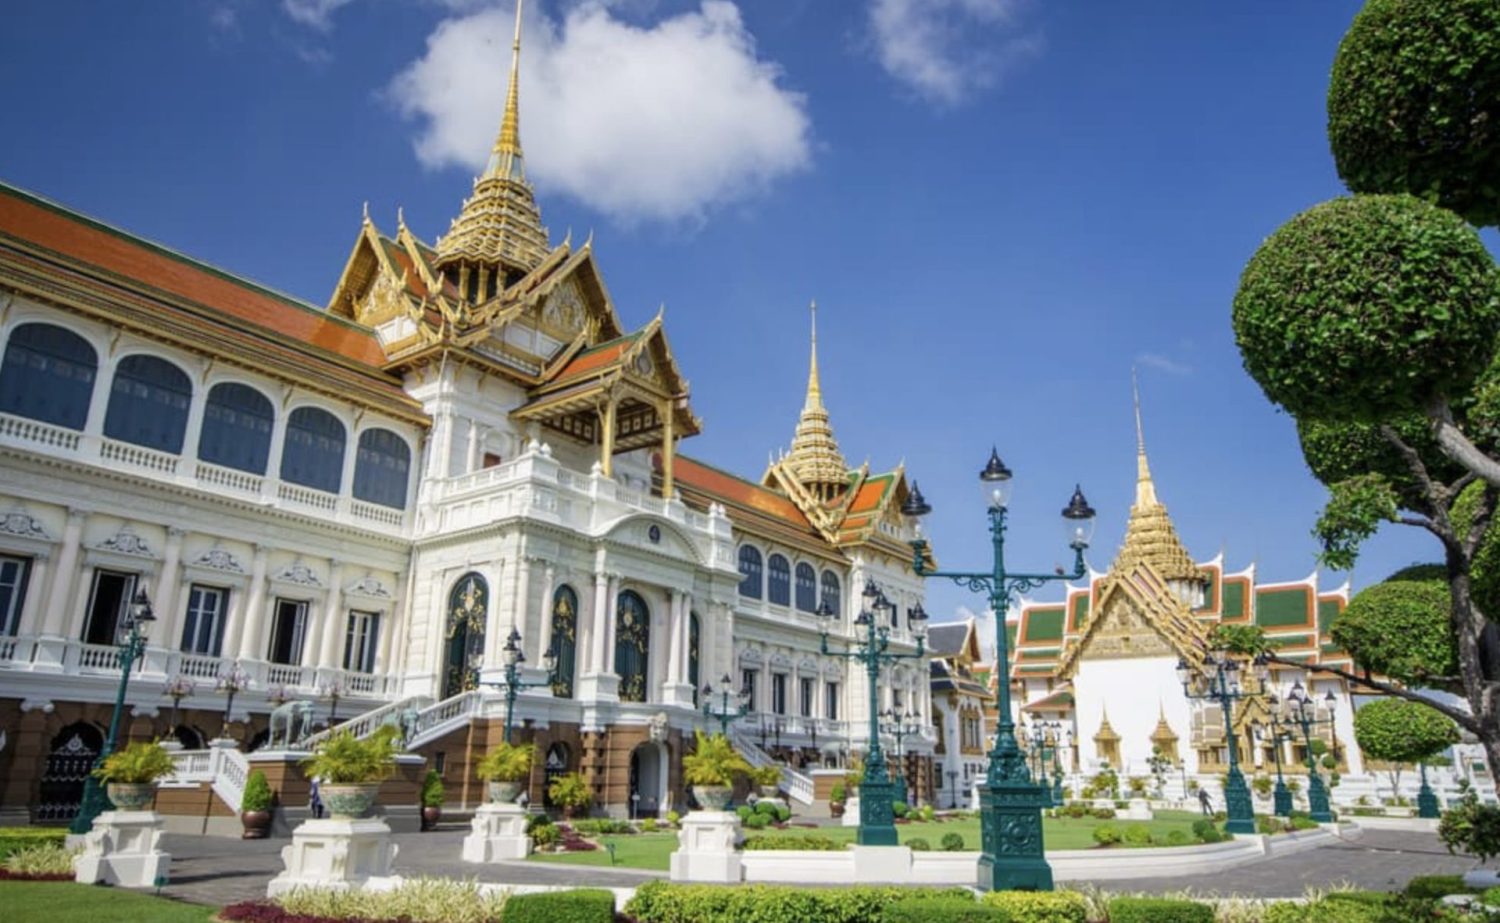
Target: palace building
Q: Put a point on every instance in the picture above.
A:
(358, 504)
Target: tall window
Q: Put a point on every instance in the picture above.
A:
(108, 600)
(468, 614)
(749, 680)
(779, 581)
(750, 571)
(778, 693)
(237, 422)
(805, 693)
(632, 643)
(48, 375)
(807, 588)
(148, 403)
(14, 573)
(203, 626)
(831, 591)
(695, 642)
(361, 637)
(380, 468)
(288, 629)
(831, 701)
(564, 639)
(314, 452)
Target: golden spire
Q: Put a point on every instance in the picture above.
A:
(499, 230)
(815, 459)
(1150, 536)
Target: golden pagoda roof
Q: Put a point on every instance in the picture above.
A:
(1105, 732)
(1163, 731)
(1150, 537)
(815, 458)
(500, 223)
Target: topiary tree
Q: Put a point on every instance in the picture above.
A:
(1414, 103)
(1400, 628)
(1398, 731)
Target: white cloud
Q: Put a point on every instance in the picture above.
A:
(657, 123)
(315, 13)
(1163, 364)
(946, 50)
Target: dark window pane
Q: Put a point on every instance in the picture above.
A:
(750, 571)
(237, 423)
(314, 452)
(632, 645)
(13, 576)
(48, 375)
(807, 588)
(564, 640)
(148, 403)
(380, 468)
(831, 592)
(779, 580)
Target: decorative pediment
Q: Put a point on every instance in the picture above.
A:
(22, 524)
(217, 558)
(1139, 615)
(299, 574)
(368, 586)
(126, 541)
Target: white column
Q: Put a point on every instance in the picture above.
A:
(99, 400)
(165, 596)
(252, 615)
(544, 624)
(269, 487)
(611, 612)
(194, 429)
(673, 671)
(65, 576)
(598, 634)
(334, 618)
(36, 587)
(385, 643)
(518, 617)
(351, 454)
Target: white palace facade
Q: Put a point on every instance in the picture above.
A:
(357, 503)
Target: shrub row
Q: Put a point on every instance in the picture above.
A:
(1158, 910)
(582, 906)
(428, 900)
(790, 841)
(15, 839)
(664, 902)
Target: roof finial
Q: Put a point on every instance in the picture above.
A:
(814, 457)
(506, 159)
(814, 386)
(1145, 490)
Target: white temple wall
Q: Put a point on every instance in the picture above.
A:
(1134, 692)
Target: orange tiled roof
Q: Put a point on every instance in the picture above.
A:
(870, 494)
(728, 487)
(591, 360)
(87, 241)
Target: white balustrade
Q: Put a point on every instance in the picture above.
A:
(8, 648)
(22, 430)
(123, 453)
(374, 512)
(366, 724)
(97, 657)
(218, 477)
(438, 719)
(306, 496)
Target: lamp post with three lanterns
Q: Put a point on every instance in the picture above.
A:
(723, 711)
(1010, 801)
(511, 678)
(1302, 711)
(900, 727)
(1219, 681)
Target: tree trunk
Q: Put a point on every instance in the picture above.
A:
(1471, 632)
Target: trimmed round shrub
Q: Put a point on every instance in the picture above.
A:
(1158, 910)
(766, 806)
(757, 821)
(1339, 450)
(1206, 831)
(593, 905)
(1414, 103)
(1178, 838)
(1368, 308)
(918, 844)
(1400, 627)
(1103, 813)
(899, 808)
(744, 811)
(1436, 887)
(1137, 835)
(952, 842)
(1040, 906)
(1107, 835)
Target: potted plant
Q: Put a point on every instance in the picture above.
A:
(351, 769)
(710, 770)
(768, 780)
(506, 768)
(432, 799)
(570, 793)
(255, 807)
(836, 798)
(130, 775)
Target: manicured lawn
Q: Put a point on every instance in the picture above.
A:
(66, 902)
(653, 850)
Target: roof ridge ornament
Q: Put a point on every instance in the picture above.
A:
(815, 459)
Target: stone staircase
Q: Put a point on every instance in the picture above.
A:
(797, 786)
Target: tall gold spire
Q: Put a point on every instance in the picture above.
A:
(1150, 536)
(815, 459)
(498, 234)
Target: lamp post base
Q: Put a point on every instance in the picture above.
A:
(1011, 830)
(877, 819)
(1283, 800)
(1317, 801)
(1237, 804)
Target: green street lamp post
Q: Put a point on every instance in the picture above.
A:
(1282, 799)
(877, 819)
(132, 639)
(1057, 771)
(1038, 734)
(1222, 685)
(900, 727)
(1010, 802)
(1303, 712)
(512, 680)
(723, 711)
(1427, 803)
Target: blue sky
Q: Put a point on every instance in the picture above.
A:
(999, 206)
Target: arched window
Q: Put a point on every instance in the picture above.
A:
(468, 611)
(148, 404)
(750, 571)
(831, 592)
(237, 424)
(632, 643)
(380, 468)
(779, 580)
(807, 588)
(694, 644)
(48, 375)
(314, 451)
(564, 639)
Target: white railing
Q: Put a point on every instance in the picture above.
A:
(478, 480)
(135, 456)
(441, 717)
(366, 724)
(199, 666)
(374, 512)
(218, 476)
(797, 786)
(307, 496)
(8, 648)
(99, 657)
(286, 674)
(225, 769)
(21, 429)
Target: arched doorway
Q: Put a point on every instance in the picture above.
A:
(648, 779)
(468, 605)
(72, 756)
(190, 737)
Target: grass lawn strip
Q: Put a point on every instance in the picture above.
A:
(66, 902)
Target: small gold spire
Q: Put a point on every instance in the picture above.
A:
(1150, 536)
(505, 159)
(815, 459)
(1145, 490)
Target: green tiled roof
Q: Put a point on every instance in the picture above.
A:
(1080, 614)
(1045, 624)
(1283, 607)
(1234, 599)
(1328, 610)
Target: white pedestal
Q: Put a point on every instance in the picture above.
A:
(338, 854)
(705, 850)
(882, 864)
(121, 850)
(851, 812)
(499, 832)
(1138, 809)
(680, 694)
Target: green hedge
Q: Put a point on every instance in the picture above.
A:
(582, 906)
(666, 902)
(1040, 906)
(15, 839)
(792, 841)
(1158, 910)
(1435, 887)
(1327, 910)
(946, 910)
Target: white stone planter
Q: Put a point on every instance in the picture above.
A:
(497, 832)
(705, 848)
(335, 853)
(121, 850)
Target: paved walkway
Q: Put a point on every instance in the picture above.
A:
(217, 871)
